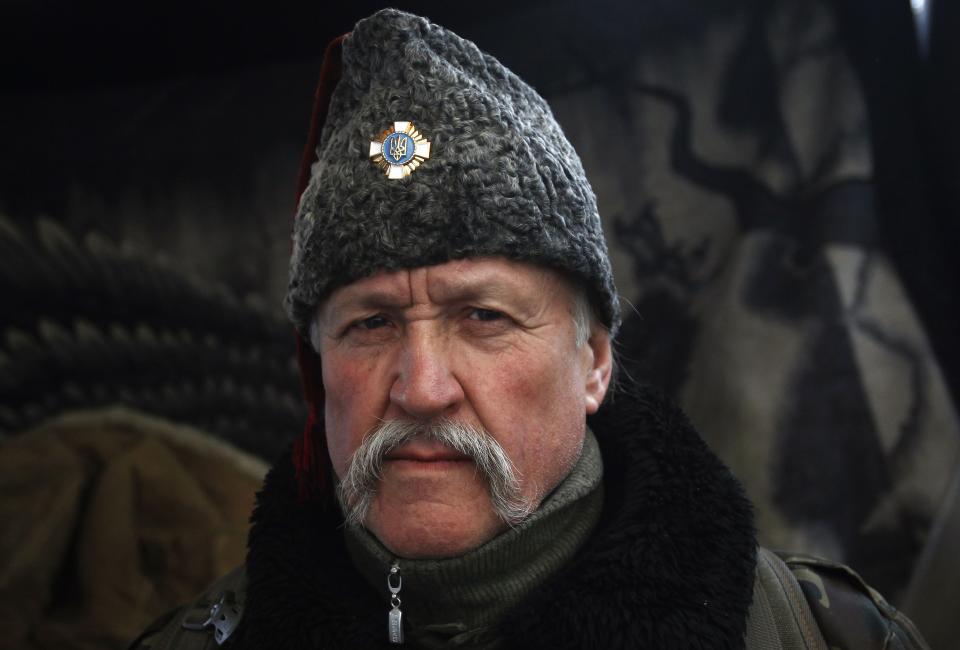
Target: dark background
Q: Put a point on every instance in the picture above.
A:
(112, 112)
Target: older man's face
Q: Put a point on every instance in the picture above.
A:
(485, 342)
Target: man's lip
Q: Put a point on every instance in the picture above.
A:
(426, 453)
(429, 458)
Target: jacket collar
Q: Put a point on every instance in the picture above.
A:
(670, 565)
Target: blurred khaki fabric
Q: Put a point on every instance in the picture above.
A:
(111, 518)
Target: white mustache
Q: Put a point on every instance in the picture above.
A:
(359, 485)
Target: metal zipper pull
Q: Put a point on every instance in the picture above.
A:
(395, 617)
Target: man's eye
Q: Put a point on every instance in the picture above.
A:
(485, 315)
(372, 323)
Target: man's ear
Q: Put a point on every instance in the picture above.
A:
(600, 370)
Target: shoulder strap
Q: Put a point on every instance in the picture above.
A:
(779, 617)
(205, 623)
(849, 612)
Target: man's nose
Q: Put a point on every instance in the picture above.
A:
(425, 387)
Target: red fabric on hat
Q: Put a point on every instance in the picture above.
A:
(310, 451)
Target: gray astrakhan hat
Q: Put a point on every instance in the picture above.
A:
(432, 151)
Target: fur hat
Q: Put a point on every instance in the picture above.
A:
(501, 179)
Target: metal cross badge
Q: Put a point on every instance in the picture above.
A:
(399, 150)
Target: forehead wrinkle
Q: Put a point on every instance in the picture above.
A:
(377, 299)
(475, 284)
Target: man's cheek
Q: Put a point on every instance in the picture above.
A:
(519, 381)
(357, 397)
(339, 410)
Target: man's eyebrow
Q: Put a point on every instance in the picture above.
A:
(370, 299)
(484, 287)
(480, 288)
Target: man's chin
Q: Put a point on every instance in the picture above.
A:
(431, 530)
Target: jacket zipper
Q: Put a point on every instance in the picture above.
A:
(395, 617)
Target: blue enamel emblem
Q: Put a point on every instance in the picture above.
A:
(398, 148)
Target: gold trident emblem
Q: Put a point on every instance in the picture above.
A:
(389, 161)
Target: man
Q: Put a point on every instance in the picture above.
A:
(455, 308)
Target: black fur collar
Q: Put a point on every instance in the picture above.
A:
(670, 565)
